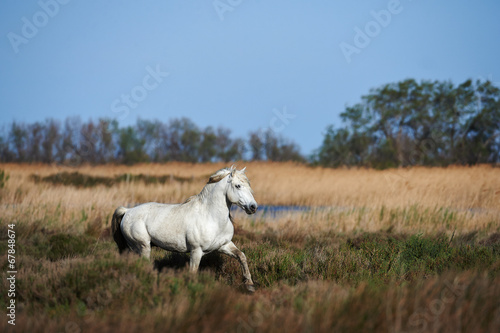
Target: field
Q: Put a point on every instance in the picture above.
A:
(401, 250)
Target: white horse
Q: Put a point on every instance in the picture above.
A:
(200, 225)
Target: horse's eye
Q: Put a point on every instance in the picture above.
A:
(238, 186)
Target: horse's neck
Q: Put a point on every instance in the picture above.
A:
(213, 196)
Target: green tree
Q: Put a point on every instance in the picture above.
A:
(106, 145)
(150, 132)
(183, 140)
(409, 123)
(19, 137)
(50, 136)
(256, 146)
(226, 148)
(131, 147)
(273, 147)
(208, 149)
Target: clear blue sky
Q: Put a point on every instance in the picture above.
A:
(232, 63)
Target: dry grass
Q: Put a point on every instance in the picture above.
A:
(418, 199)
(297, 184)
(352, 263)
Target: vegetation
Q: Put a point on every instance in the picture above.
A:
(81, 180)
(374, 281)
(396, 250)
(3, 178)
(77, 142)
(396, 125)
(411, 123)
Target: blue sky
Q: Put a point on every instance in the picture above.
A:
(242, 64)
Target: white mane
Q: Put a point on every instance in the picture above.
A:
(220, 174)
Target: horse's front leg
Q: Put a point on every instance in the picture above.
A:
(194, 261)
(231, 250)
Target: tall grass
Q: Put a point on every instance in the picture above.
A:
(413, 250)
(405, 199)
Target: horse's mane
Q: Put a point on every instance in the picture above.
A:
(219, 175)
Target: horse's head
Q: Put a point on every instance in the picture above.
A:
(239, 191)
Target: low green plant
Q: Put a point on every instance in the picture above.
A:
(355, 282)
(3, 178)
(57, 246)
(80, 180)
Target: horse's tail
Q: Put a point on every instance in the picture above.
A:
(116, 230)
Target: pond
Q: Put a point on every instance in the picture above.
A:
(274, 211)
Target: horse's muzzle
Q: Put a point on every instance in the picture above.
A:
(250, 209)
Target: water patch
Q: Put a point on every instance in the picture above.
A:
(275, 211)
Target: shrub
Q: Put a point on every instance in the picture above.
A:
(3, 178)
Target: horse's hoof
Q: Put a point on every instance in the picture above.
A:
(250, 288)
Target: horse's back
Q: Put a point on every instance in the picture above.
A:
(147, 211)
(139, 216)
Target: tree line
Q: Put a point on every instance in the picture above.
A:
(417, 123)
(75, 142)
(399, 124)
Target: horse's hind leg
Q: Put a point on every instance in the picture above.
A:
(141, 248)
(139, 240)
(145, 250)
(194, 261)
(231, 250)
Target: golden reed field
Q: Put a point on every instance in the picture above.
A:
(470, 193)
(399, 250)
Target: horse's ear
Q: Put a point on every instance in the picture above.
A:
(232, 170)
(243, 170)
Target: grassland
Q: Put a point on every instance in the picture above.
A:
(405, 250)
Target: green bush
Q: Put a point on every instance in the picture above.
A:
(432, 253)
(3, 178)
(85, 181)
(57, 246)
